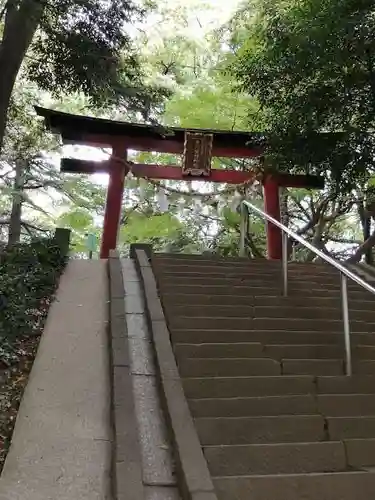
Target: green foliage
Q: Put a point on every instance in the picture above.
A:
(31, 150)
(84, 46)
(26, 136)
(156, 229)
(28, 278)
(310, 65)
(209, 104)
(81, 222)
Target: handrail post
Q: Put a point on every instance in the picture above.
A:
(244, 224)
(345, 316)
(285, 263)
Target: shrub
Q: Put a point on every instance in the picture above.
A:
(29, 274)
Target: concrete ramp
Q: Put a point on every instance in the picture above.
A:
(61, 448)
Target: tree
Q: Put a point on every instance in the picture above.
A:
(201, 219)
(73, 46)
(31, 186)
(309, 64)
(24, 167)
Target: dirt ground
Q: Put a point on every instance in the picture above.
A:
(13, 379)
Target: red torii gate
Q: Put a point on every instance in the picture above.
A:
(122, 136)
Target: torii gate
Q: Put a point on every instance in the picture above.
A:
(197, 146)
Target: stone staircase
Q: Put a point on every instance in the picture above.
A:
(264, 376)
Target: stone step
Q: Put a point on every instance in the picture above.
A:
(228, 387)
(256, 269)
(360, 452)
(273, 351)
(303, 352)
(273, 283)
(213, 290)
(285, 458)
(249, 275)
(354, 427)
(366, 366)
(364, 352)
(172, 299)
(349, 405)
(201, 258)
(213, 264)
(312, 312)
(223, 310)
(165, 280)
(291, 324)
(313, 367)
(357, 384)
(277, 429)
(204, 260)
(220, 350)
(178, 299)
(290, 355)
(230, 367)
(202, 263)
(248, 311)
(231, 387)
(225, 267)
(197, 257)
(315, 324)
(328, 486)
(282, 429)
(308, 291)
(181, 336)
(306, 404)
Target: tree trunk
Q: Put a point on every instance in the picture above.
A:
(367, 233)
(362, 249)
(285, 219)
(19, 29)
(366, 230)
(284, 214)
(16, 213)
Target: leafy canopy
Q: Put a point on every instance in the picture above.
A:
(85, 46)
(310, 64)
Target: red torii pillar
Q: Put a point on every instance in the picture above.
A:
(117, 171)
(271, 188)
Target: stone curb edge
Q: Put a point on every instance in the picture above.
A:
(127, 481)
(193, 476)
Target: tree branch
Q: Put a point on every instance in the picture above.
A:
(344, 240)
(27, 225)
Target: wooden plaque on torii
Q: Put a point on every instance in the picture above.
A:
(197, 154)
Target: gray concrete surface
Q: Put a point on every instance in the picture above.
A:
(61, 444)
(157, 463)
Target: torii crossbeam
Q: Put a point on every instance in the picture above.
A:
(197, 146)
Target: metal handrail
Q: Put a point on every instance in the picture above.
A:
(344, 272)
